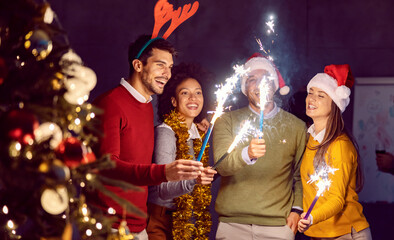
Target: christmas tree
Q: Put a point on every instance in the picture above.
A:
(47, 132)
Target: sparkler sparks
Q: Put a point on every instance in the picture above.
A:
(242, 134)
(222, 94)
(258, 40)
(271, 25)
(323, 183)
(224, 90)
(245, 129)
(264, 88)
(321, 178)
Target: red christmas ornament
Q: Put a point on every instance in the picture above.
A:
(73, 153)
(20, 125)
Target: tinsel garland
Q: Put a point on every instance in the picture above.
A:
(192, 219)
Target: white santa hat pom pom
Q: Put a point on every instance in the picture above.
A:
(342, 92)
(284, 90)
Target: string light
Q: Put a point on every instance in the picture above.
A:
(10, 224)
(5, 209)
(99, 226)
(111, 211)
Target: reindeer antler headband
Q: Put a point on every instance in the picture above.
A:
(163, 13)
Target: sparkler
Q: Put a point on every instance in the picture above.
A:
(264, 93)
(323, 183)
(240, 136)
(221, 96)
(271, 25)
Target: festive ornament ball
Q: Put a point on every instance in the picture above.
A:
(48, 15)
(60, 172)
(73, 152)
(79, 81)
(19, 125)
(69, 57)
(49, 130)
(38, 43)
(56, 171)
(55, 200)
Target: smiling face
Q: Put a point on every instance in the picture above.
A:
(188, 99)
(318, 105)
(157, 71)
(252, 84)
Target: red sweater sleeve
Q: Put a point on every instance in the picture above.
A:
(127, 126)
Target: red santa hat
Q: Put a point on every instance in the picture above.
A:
(258, 61)
(336, 81)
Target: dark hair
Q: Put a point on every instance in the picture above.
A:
(136, 46)
(180, 73)
(336, 127)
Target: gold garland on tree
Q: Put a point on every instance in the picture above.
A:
(193, 206)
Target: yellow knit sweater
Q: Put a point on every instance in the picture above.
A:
(338, 210)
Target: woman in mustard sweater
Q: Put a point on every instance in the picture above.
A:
(337, 213)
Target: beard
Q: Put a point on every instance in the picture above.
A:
(150, 85)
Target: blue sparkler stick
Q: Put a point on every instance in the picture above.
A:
(261, 123)
(204, 144)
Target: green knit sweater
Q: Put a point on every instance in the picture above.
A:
(265, 192)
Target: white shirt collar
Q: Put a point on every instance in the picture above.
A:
(317, 137)
(193, 132)
(271, 114)
(134, 92)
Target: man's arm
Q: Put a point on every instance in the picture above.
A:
(223, 136)
(294, 216)
(297, 184)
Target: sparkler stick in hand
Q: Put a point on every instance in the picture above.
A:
(241, 135)
(323, 183)
(221, 97)
(264, 90)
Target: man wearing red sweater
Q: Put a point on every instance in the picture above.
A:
(127, 124)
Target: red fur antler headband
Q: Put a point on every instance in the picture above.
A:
(164, 12)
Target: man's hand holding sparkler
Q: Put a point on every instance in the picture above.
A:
(304, 224)
(256, 148)
(182, 169)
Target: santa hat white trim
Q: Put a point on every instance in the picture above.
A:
(338, 94)
(258, 62)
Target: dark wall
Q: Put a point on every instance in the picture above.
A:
(310, 35)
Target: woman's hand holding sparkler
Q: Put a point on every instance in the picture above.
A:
(304, 224)
(256, 148)
(203, 125)
(206, 176)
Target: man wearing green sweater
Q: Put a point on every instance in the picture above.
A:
(260, 195)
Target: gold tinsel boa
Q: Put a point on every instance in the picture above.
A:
(192, 219)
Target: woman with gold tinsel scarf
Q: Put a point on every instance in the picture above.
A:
(180, 210)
